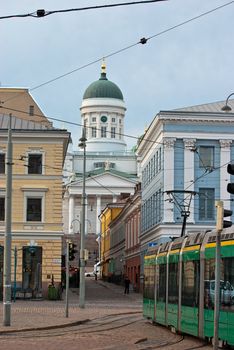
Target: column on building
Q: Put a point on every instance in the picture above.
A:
(108, 127)
(98, 212)
(87, 222)
(71, 203)
(225, 156)
(168, 212)
(98, 126)
(189, 148)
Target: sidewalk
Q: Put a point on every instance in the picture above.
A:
(31, 314)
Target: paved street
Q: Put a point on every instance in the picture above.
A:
(110, 320)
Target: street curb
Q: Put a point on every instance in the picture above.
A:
(64, 325)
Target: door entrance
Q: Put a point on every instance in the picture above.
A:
(32, 271)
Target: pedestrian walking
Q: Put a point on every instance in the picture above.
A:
(126, 285)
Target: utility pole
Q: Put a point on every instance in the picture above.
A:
(67, 277)
(82, 144)
(7, 250)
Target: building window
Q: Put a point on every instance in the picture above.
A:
(103, 131)
(113, 120)
(94, 131)
(113, 133)
(206, 203)
(2, 163)
(34, 209)
(93, 119)
(120, 132)
(2, 208)
(34, 163)
(206, 157)
(31, 110)
(120, 121)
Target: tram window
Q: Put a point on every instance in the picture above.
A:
(190, 283)
(161, 288)
(173, 287)
(226, 284)
(149, 282)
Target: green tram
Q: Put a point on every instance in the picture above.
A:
(179, 285)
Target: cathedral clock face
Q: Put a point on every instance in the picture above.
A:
(103, 119)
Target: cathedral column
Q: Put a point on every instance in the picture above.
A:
(71, 203)
(189, 148)
(98, 126)
(98, 212)
(225, 156)
(168, 212)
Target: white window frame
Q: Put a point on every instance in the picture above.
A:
(113, 132)
(94, 131)
(35, 193)
(103, 131)
(35, 151)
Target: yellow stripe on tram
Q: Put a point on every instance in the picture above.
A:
(224, 243)
(194, 247)
(175, 251)
(150, 257)
(162, 254)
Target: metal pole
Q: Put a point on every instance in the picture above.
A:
(67, 277)
(82, 234)
(7, 250)
(219, 205)
(15, 268)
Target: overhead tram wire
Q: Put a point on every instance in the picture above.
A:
(142, 41)
(141, 138)
(43, 13)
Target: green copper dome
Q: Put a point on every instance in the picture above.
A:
(103, 88)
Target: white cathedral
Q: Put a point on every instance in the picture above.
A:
(111, 170)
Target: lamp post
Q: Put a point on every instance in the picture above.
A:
(82, 144)
(226, 107)
(7, 250)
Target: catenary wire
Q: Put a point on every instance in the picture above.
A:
(42, 13)
(141, 41)
(138, 138)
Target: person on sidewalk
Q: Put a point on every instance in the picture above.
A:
(126, 285)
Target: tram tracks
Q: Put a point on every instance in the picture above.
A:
(97, 325)
(102, 327)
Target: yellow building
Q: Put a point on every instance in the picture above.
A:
(111, 211)
(37, 227)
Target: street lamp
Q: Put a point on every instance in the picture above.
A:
(82, 145)
(226, 107)
(8, 233)
(71, 226)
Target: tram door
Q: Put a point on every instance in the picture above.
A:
(1, 271)
(32, 269)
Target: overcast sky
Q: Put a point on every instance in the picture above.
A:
(190, 65)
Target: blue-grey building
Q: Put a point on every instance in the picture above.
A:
(183, 159)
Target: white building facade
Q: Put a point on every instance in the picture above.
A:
(111, 170)
(184, 171)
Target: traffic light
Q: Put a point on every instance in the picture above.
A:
(230, 186)
(72, 251)
(221, 213)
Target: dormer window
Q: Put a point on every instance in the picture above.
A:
(31, 110)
